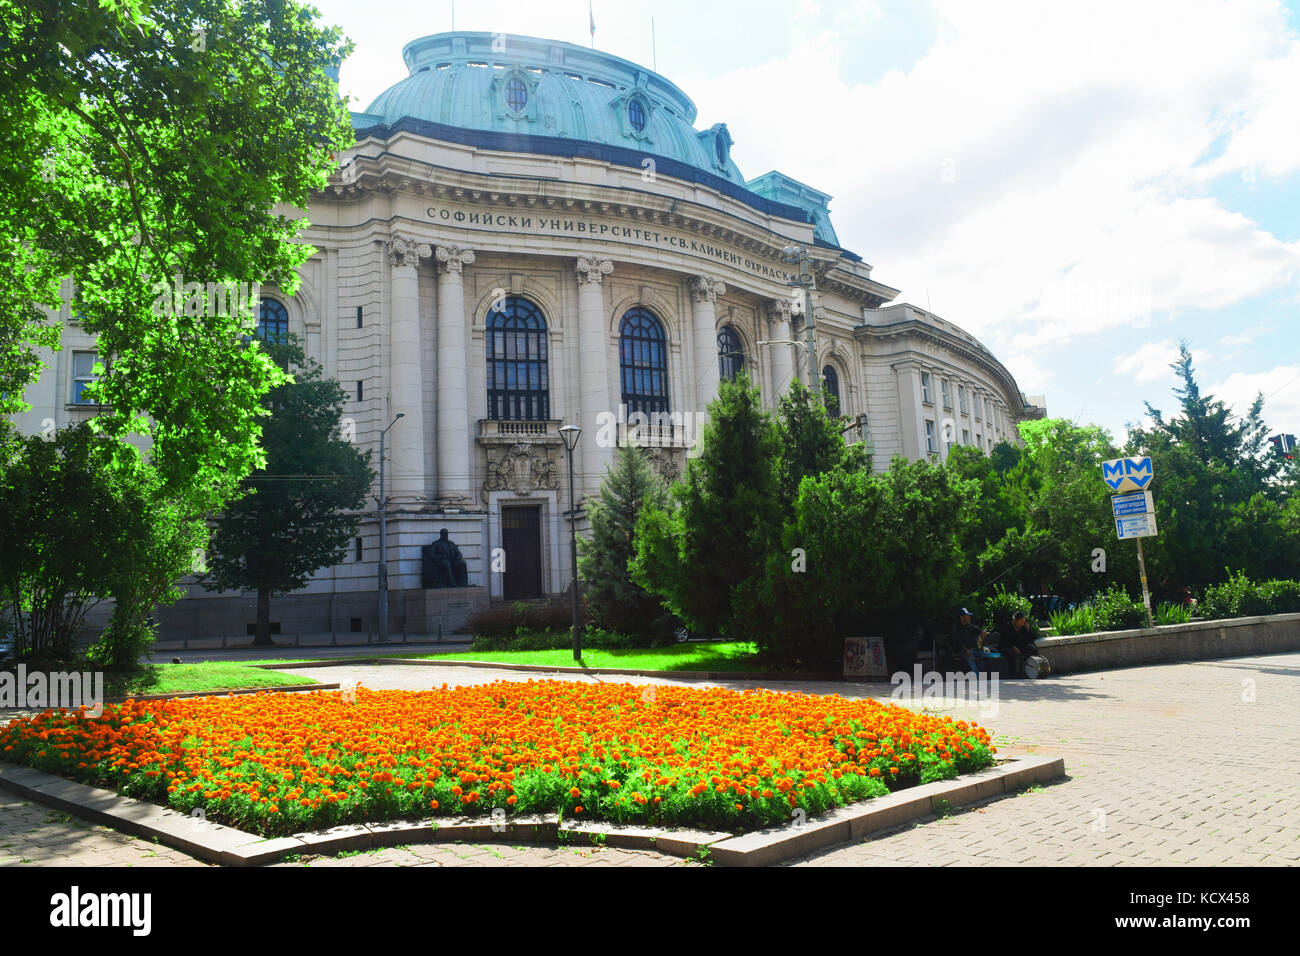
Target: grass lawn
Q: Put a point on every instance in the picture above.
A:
(730, 656)
(214, 676)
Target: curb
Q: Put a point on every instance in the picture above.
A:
(227, 846)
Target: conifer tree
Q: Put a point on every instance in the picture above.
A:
(617, 602)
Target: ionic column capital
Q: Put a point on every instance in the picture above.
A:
(592, 269)
(454, 258)
(706, 289)
(405, 251)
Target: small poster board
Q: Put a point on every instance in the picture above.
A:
(865, 657)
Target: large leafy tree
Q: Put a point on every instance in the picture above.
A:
(706, 557)
(617, 602)
(1222, 499)
(882, 556)
(82, 521)
(295, 517)
(1060, 505)
(166, 142)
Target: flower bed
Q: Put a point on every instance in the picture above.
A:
(715, 758)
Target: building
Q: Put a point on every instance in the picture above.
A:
(528, 233)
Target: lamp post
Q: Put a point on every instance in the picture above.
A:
(570, 434)
(383, 537)
(805, 281)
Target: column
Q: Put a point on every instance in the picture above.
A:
(453, 384)
(406, 384)
(593, 346)
(704, 293)
(778, 326)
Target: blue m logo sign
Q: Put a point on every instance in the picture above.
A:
(1127, 474)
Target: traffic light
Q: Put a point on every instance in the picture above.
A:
(1283, 446)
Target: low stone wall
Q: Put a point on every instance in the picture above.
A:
(1199, 640)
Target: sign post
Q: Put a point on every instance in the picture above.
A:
(1134, 509)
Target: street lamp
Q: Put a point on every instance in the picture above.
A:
(570, 434)
(383, 537)
(805, 281)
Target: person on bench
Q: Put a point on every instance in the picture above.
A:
(968, 639)
(1019, 643)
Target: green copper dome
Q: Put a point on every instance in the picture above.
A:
(524, 85)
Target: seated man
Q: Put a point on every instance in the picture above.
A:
(968, 639)
(1019, 643)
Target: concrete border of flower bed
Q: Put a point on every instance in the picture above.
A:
(286, 688)
(216, 843)
(557, 669)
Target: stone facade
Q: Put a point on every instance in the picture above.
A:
(425, 230)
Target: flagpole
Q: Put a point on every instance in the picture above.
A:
(591, 17)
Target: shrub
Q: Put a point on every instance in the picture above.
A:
(505, 620)
(1236, 597)
(1282, 596)
(999, 608)
(532, 639)
(1117, 611)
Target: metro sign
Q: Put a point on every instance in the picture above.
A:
(1127, 474)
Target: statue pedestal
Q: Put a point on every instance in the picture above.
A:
(433, 610)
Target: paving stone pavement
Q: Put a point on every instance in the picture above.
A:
(1187, 763)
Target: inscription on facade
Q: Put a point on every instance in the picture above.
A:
(591, 228)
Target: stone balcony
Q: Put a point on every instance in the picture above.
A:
(492, 433)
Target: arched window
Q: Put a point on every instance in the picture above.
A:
(831, 389)
(636, 114)
(518, 389)
(272, 321)
(731, 354)
(643, 362)
(516, 94)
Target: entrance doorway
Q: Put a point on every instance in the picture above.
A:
(521, 539)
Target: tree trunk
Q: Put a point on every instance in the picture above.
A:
(262, 631)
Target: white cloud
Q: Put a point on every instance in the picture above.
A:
(1281, 389)
(1037, 170)
(1149, 363)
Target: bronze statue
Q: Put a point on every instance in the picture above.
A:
(443, 565)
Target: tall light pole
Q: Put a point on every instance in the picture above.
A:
(383, 537)
(570, 434)
(805, 281)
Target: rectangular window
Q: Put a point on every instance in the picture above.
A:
(358, 549)
(925, 388)
(979, 408)
(929, 436)
(360, 390)
(965, 436)
(947, 393)
(961, 397)
(82, 375)
(358, 316)
(979, 442)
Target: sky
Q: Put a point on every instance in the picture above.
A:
(1080, 186)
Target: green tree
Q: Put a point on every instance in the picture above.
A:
(617, 602)
(149, 145)
(293, 520)
(882, 556)
(1062, 514)
(1221, 496)
(811, 442)
(83, 522)
(706, 558)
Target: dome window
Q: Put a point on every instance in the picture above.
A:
(720, 147)
(636, 114)
(516, 94)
